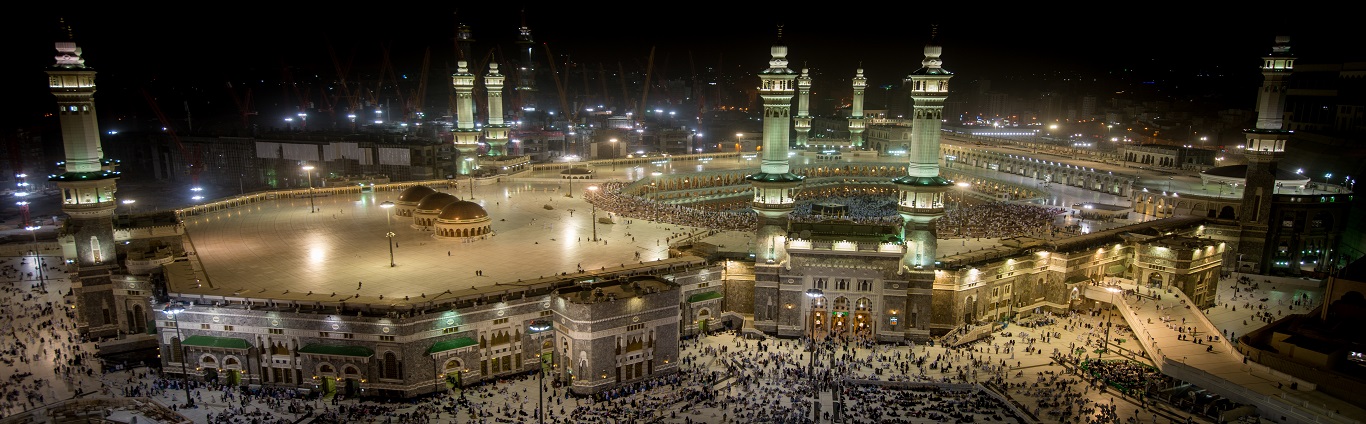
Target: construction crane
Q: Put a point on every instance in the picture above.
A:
(388, 69)
(571, 114)
(352, 101)
(243, 106)
(192, 159)
(417, 98)
(302, 95)
(645, 89)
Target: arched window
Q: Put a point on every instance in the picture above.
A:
(391, 366)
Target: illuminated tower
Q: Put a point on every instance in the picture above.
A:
(526, 71)
(922, 190)
(464, 42)
(1264, 148)
(802, 122)
(856, 125)
(87, 182)
(775, 186)
(466, 136)
(496, 132)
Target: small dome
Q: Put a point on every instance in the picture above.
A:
(462, 210)
(415, 194)
(436, 201)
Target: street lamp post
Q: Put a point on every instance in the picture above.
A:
(390, 235)
(471, 167)
(387, 205)
(309, 170)
(1113, 307)
(738, 141)
(538, 327)
(962, 197)
(813, 293)
(130, 203)
(184, 372)
(594, 215)
(614, 153)
(37, 257)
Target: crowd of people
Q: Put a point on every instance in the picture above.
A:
(998, 219)
(610, 198)
(970, 219)
(41, 344)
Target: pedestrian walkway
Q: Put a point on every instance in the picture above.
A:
(1185, 344)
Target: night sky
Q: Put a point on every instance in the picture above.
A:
(201, 47)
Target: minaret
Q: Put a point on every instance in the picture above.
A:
(1264, 149)
(856, 124)
(803, 120)
(466, 136)
(922, 190)
(774, 184)
(87, 182)
(775, 189)
(496, 132)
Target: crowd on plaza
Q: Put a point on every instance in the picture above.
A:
(972, 219)
(862, 209)
(610, 198)
(1127, 376)
(40, 338)
(1259, 305)
(998, 219)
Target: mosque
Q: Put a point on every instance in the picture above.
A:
(594, 330)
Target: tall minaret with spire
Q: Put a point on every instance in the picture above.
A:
(87, 182)
(856, 124)
(802, 122)
(921, 191)
(496, 132)
(775, 188)
(466, 136)
(1265, 147)
(775, 184)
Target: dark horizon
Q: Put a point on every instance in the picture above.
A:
(133, 50)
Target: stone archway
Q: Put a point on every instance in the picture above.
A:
(1155, 279)
(452, 371)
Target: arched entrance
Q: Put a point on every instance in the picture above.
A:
(451, 373)
(839, 317)
(1155, 280)
(327, 379)
(351, 381)
(817, 325)
(232, 369)
(703, 317)
(863, 317)
(969, 309)
(209, 365)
